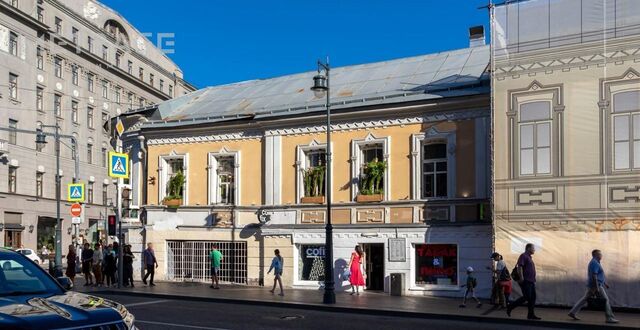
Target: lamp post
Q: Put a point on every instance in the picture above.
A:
(321, 88)
(40, 141)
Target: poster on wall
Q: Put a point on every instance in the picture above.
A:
(436, 264)
(311, 263)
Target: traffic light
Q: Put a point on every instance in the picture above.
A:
(111, 225)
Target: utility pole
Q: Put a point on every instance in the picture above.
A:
(119, 217)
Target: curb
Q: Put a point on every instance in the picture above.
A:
(365, 311)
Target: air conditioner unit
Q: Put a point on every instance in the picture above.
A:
(4, 147)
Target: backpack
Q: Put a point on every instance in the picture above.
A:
(515, 275)
(504, 274)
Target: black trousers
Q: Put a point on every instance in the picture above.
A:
(150, 271)
(128, 274)
(528, 295)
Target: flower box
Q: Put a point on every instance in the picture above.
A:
(172, 202)
(369, 198)
(312, 200)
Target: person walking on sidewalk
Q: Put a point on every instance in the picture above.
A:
(355, 267)
(98, 257)
(501, 281)
(87, 259)
(150, 262)
(277, 263)
(127, 260)
(216, 261)
(596, 285)
(471, 284)
(526, 277)
(71, 263)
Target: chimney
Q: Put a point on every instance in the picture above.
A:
(476, 36)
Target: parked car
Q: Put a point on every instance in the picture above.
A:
(32, 299)
(30, 254)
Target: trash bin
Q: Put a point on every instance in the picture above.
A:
(397, 284)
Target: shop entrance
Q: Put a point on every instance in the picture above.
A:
(374, 264)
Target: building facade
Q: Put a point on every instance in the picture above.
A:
(253, 155)
(76, 63)
(566, 96)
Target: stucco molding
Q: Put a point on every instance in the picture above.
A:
(430, 136)
(547, 64)
(553, 93)
(313, 129)
(608, 87)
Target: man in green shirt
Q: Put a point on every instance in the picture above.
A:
(216, 259)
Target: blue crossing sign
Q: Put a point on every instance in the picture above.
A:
(75, 192)
(118, 165)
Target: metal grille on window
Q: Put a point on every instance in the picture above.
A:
(189, 261)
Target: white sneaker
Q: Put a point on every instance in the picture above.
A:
(612, 321)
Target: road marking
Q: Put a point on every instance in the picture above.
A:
(146, 303)
(178, 325)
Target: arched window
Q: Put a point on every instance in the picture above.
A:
(116, 30)
(626, 130)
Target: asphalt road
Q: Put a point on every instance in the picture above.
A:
(152, 313)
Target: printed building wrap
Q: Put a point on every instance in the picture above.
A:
(566, 142)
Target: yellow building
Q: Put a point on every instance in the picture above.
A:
(410, 175)
(566, 91)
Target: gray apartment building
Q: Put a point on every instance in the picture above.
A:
(77, 63)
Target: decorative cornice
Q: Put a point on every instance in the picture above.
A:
(515, 68)
(353, 125)
(204, 138)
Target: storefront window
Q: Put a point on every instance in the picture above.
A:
(436, 264)
(311, 263)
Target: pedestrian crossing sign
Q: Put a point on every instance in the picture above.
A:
(75, 192)
(118, 165)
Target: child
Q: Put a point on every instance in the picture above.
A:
(471, 285)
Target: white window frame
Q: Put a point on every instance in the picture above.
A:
(433, 136)
(163, 172)
(356, 162)
(296, 267)
(631, 138)
(213, 197)
(534, 147)
(301, 165)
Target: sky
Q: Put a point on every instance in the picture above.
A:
(225, 41)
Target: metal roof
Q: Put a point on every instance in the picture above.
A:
(439, 75)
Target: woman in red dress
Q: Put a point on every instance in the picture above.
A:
(355, 267)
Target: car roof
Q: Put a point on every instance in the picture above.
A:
(7, 251)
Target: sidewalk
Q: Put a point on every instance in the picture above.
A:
(372, 303)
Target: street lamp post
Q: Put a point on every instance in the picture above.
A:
(321, 88)
(41, 140)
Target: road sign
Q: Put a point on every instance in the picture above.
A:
(118, 165)
(76, 210)
(76, 220)
(75, 192)
(119, 127)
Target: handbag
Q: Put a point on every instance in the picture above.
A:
(596, 302)
(346, 274)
